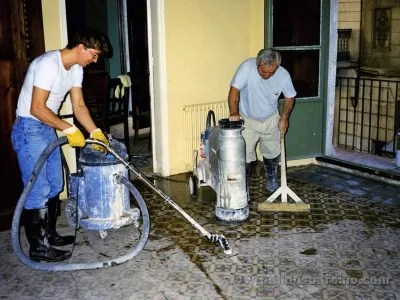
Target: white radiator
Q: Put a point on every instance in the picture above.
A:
(195, 122)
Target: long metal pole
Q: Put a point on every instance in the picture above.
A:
(219, 239)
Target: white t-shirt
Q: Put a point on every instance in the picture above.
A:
(47, 72)
(258, 96)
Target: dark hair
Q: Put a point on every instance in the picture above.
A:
(91, 38)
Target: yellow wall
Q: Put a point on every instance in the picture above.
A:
(54, 36)
(349, 14)
(52, 25)
(349, 17)
(206, 40)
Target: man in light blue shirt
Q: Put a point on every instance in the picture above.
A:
(254, 94)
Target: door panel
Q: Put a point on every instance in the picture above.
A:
(21, 40)
(302, 128)
(296, 31)
(10, 184)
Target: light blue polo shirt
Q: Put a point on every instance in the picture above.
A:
(259, 97)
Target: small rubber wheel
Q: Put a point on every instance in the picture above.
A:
(193, 186)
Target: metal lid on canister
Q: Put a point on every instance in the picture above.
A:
(227, 124)
(91, 157)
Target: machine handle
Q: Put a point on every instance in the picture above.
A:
(209, 115)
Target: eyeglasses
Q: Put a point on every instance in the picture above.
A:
(95, 56)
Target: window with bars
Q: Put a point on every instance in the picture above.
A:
(343, 51)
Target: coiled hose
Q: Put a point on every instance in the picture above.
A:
(15, 233)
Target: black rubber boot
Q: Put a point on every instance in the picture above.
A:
(53, 212)
(248, 179)
(35, 224)
(271, 173)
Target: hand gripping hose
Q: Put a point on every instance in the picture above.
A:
(75, 266)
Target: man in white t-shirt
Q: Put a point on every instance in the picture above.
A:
(49, 78)
(254, 93)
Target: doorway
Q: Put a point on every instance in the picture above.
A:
(126, 27)
(300, 33)
(136, 12)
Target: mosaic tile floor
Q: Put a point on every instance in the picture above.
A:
(343, 249)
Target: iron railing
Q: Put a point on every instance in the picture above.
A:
(367, 115)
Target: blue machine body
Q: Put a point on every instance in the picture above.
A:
(207, 133)
(103, 202)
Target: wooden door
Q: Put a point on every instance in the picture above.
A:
(21, 40)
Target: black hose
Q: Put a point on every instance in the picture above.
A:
(15, 233)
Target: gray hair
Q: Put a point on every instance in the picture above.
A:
(268, 57)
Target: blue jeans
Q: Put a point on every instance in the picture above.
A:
(29, 138)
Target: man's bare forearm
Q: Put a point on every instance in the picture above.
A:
(233, 101)
(288, 105)
(283, 123)
(83, 116)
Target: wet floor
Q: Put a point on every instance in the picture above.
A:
(344, 248)
(376, 191)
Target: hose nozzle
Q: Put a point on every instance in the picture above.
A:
(221, 241)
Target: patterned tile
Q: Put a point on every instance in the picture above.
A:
(353, 242)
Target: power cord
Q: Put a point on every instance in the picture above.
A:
(76, 211)
(155, 175)
(68, 177)
(169, 179)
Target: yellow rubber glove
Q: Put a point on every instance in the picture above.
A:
(75, 136)
(98, 135)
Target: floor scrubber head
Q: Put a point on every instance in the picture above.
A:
(284, 191)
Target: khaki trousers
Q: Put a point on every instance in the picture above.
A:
(264, 131)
